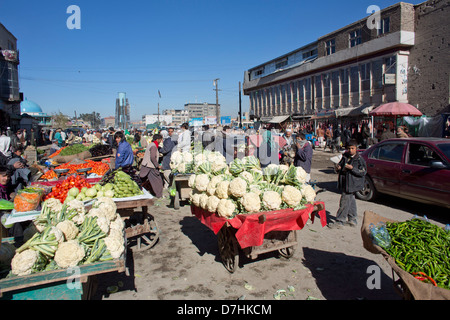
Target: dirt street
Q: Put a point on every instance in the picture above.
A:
(328, 264)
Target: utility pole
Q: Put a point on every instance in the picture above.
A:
(240, 107)
(216, 84)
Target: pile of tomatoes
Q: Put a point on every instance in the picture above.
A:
(60, 190)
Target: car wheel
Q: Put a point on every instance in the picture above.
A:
(369, 192)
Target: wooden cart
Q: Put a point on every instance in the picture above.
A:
(181, 184)
(65, 284)
(283, 241)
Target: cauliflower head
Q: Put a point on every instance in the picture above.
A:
(191, 181)
(78, 207)
(22, 263)
(225, 208)
(195, 198)
(187, 157)
(115, 245)
(107, 206)
(222, 189)
(203, 200)
(247, 176)
(291, 195)
(212, 203)
(301, 175)
(53, 204)
(251, 202)
(271, 200)
(237, 187)
(68, 228)
(212, 185)
(69, 254)
(117, 224)
(201, 182)
(308, 193)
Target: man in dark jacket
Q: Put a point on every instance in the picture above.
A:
(168, 146)
(303, 156)
(352, 170)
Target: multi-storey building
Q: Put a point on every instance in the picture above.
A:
(201, 110)
(10, 96)
(178, 116)
(358, 67)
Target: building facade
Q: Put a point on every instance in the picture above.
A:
(350, 71)
(201, 110)
(179, 116)
(10, 97)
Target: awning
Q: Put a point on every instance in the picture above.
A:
(279, 119)
(324, 114)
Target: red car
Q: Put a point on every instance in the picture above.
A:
(417, 169)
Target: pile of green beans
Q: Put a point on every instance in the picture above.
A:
(420, 246)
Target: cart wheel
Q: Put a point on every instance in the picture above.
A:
(146, 234)
(228, 249)
(287, 252)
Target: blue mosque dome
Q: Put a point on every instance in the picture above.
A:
(28, 106)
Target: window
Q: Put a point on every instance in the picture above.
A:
(309, 54)
(354, 79)
(377, 74)
(344, 81)
(326, 84)
(365, 76)
(389, 152)
(390, 65)
(294, 92)
(385, 26)
(300, 90)
(307, 84)
(259, 72)
(421, 155)
(282, 63)
(355, 38)
(330, 47)
(335, 82)
(318, 86)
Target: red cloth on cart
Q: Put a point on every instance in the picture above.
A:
(251, 231)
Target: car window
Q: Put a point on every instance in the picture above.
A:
(445, 148)
(421, 155)
(388, 152)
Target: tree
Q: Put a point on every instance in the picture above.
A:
(93, 118)
(59, 120)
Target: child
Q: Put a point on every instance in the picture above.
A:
(5, 186)
(352, 170)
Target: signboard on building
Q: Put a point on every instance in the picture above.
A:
(196, 122)
(225, 120)
(389, 78)
(210, 120)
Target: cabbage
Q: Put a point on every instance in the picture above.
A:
(69, 198)
(91, 192)
(84, 189)
(73, 192)
(107, 187)
(109, 193)
(100, 194)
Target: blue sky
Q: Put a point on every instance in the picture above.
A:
(176, 46)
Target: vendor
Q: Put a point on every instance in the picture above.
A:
(150, 167)
(124, 155)
(6, 193)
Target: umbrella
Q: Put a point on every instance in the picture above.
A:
(396, 109)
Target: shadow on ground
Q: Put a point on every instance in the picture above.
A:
(343, 277)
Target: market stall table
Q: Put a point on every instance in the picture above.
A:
(63, 284)
(260, 232)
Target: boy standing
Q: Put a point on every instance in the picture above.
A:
(352, 170)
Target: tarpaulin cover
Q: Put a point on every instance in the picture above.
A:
(251, 228)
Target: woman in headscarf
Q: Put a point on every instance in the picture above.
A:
(150, 167)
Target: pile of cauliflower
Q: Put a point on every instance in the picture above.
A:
(67, 235)
(245, 188)
(198, 161)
